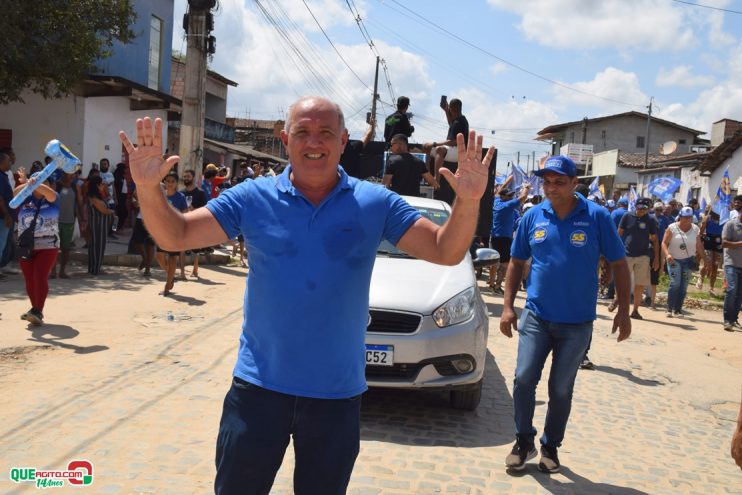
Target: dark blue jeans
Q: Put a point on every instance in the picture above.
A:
(733, 295)
(567, 343)
(254, 432)
(680, 274)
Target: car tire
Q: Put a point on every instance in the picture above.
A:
(467, 399)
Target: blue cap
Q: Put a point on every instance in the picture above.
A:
(610, 203)
(622, 201)
(558, 164)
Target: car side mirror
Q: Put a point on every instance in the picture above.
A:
(486, 257)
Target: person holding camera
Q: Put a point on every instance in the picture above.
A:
(683, 252)
(38, 244)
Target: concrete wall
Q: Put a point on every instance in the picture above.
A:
(37, 121)
(216, 108)
(104, 118)
(132, 61)
(621, 133)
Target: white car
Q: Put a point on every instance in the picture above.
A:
(427, 323)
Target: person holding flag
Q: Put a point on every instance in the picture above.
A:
(723, 198)
(504, 214)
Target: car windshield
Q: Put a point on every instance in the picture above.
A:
(435, 215)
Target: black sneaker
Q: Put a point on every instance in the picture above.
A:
(34, 316)
(635, 315)
(521, 453)
(549, 462)
(586, 364)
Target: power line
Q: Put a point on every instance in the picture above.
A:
(496, 57)
(334, 47)
(708, 7)
(369, 40)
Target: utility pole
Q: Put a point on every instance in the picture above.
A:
(376, 96)
(199, 23)
(646, 143)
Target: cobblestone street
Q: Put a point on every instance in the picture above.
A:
(111, 380)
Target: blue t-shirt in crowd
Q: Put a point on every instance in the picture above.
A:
(663, 221)
(713, 228)
(563, 281)
(636, 232)
(504, 214)
(178, 200)
(306, 300)
(617, 215)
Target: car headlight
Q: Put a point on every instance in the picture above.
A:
(457, 309)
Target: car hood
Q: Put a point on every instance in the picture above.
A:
(407, 284)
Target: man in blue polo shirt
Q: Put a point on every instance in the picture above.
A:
(564, 237)
(504, 214)
(300, 365)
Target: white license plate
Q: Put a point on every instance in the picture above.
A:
(380, 355)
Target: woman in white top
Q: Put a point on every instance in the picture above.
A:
(681, 246)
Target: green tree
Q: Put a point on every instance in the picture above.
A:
(46, 46)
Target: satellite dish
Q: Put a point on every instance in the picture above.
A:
(668, 147)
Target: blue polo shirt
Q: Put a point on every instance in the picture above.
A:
(504, 214)
(617, 215)
(306, 298)
(563, 281)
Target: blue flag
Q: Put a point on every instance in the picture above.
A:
(703, 204)
(537, 185)
(499, 178)
(689, 196)
(632, 199)
(519, 177)
(664, 187)
(723, 197)
(595, 188)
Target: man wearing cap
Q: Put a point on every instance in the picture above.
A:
(504, 215)
(404, 170)
(638, 231)
(620, 210)
(564, 236)
(731, 239)
(398, 122)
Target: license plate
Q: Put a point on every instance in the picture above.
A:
(380, 355)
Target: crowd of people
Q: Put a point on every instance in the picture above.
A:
(658, 237)
(69, 208)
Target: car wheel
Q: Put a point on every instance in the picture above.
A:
(468, 398)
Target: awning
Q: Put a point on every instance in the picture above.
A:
(242, 150)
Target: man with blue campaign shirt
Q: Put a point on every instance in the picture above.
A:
(639, 234)
(300, 365)
(504, 215)
(620, 211)
(564, 237)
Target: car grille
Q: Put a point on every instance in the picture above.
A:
(393, 322)
(400, 371)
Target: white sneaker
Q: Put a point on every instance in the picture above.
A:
(10, 271)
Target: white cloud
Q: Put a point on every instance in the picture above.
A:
(681, 76)
(498, 68)
(634, 24)
(614, 87)
(271, 76)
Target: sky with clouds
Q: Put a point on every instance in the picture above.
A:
(517, 66)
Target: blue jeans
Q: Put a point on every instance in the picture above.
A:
(733, 295)
(254, 432)
(567, 343)
(680, 273)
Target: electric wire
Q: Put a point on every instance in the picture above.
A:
(430, 25)
(334, 47)
(708, 7)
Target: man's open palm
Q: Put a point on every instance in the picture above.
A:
(470, 179)
(146, 162)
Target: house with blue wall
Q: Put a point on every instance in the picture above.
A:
(133, 82)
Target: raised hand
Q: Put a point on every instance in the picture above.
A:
(145, 159)
(470, 179)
